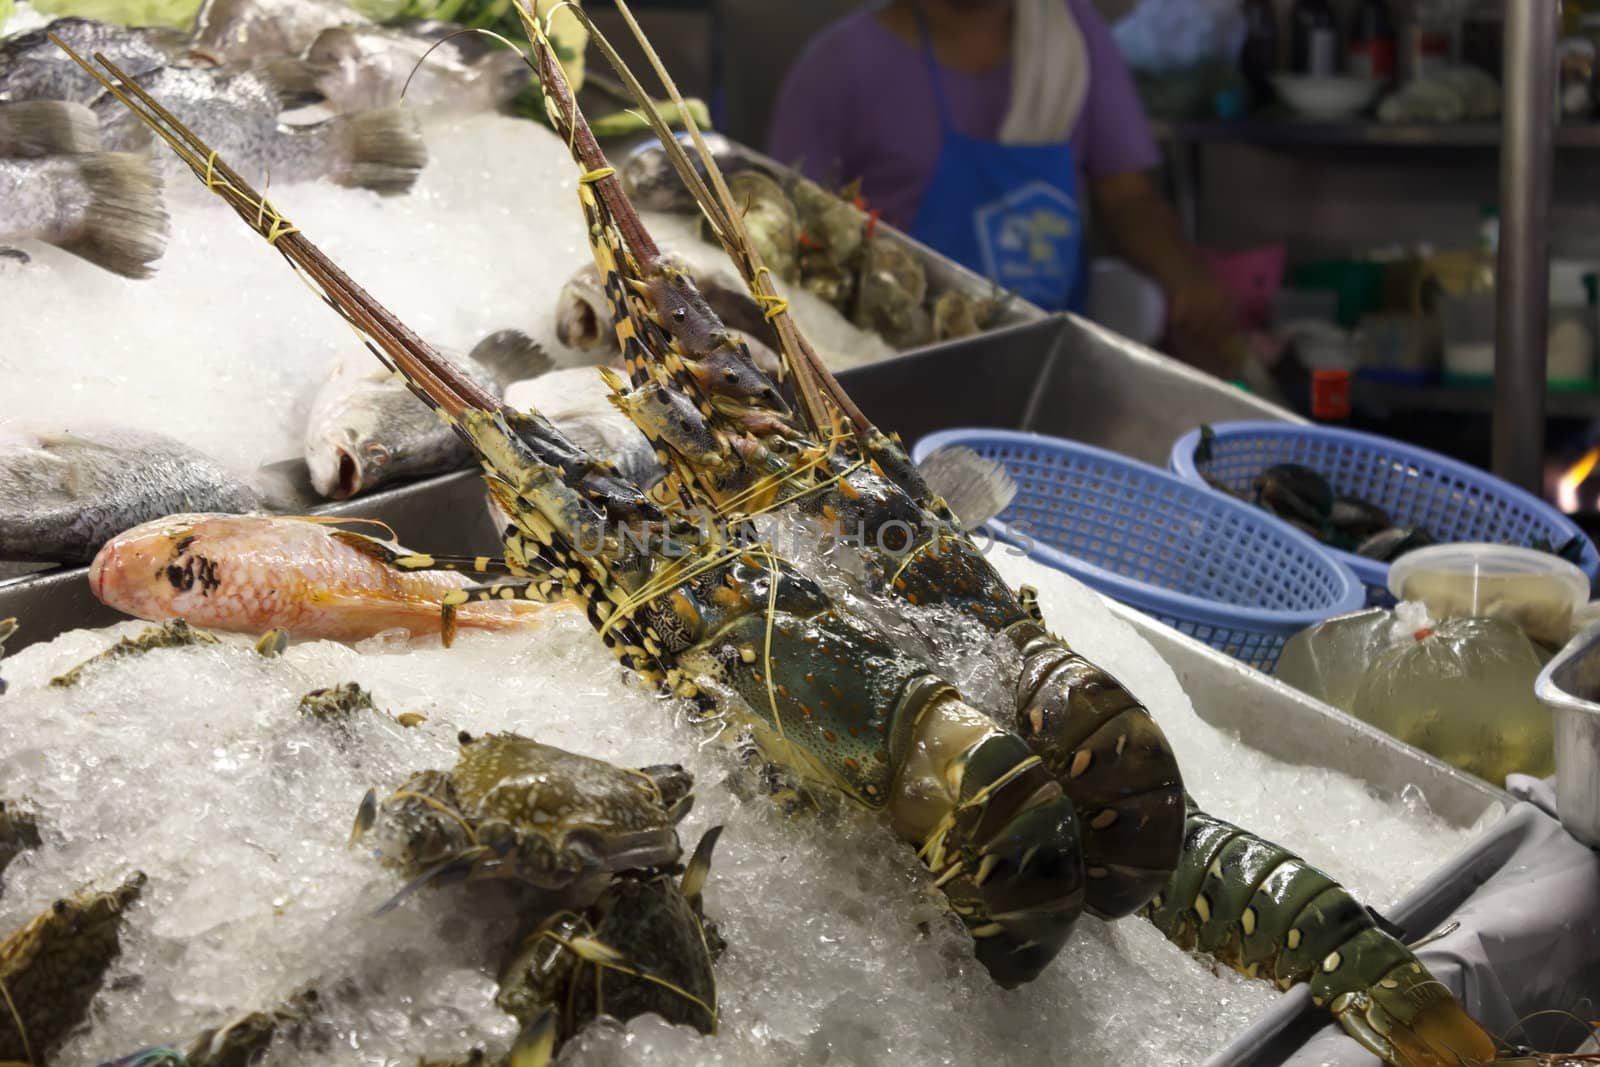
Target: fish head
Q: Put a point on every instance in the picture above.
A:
(148, 570)
(343, 461)
(583, 315)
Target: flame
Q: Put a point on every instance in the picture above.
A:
(1567, 485)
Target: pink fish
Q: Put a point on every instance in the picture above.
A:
(251, 573)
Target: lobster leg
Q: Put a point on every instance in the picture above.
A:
(1268, 914)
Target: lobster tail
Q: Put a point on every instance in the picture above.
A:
(1114, 764)
(1005, 844)
(1268, 914)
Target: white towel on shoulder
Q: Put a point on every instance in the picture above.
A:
(1049, 73)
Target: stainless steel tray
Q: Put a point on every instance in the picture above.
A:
(943, 274)
(1570, 686)
(1058, 375)
(1062, 376)
(449, 513)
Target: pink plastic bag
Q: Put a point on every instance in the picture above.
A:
(1253, 276)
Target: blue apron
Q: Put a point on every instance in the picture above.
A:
(1009, 212)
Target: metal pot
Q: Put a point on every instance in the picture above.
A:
(1570, 686)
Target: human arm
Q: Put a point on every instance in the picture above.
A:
(1201, 319)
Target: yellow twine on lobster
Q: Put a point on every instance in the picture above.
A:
(775, 304)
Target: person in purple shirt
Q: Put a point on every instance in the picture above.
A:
(989, 130)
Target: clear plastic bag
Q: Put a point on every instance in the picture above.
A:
(1464, 693)
(1328, 660)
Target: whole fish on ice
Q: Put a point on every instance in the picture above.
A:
(578, 401)
(253, 573)
(33, 68)
(583, 315)
(367, 429)
(363, 67)
(63, 495)
(653, 184)
(236, 111)
(104, 207)
(255, 29)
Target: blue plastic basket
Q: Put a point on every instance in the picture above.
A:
(1213, 567)
(1455, 501)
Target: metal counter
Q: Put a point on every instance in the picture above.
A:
(1062, 376)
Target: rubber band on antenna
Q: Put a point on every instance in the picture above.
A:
(597, 174)
(775, 305)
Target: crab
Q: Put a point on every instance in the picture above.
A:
(643, 946)
(52, 968)
(513, 808)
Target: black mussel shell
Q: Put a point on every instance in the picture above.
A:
(1290, 490)
(1355, 520)
(1386, 546)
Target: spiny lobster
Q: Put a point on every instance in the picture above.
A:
(1076, 803)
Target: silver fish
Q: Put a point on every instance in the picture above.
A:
(583, 315)
(653, 185)
(367, 429)
(33, 68)
(236, 111)
(365, 67)
(583, 318)
(63, 495)
(252, 29)
(578, 401)
(33, 128)
(104, 207)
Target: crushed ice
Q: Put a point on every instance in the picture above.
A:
(224, 348)
(195, 766)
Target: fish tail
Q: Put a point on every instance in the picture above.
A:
(32, 128)
(122, 225)
(380, 150)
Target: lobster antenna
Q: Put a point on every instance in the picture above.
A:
(438, 382)
(709, 205)
(811, 376)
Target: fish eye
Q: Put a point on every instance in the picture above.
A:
(679, 314)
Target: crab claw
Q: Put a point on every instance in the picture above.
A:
(694, 875)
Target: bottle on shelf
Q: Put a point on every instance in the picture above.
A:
(1372, 41)
(1258, 60)
(1316, 39)
(1431, 38)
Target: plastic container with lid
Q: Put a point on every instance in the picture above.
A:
(1536, 590)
